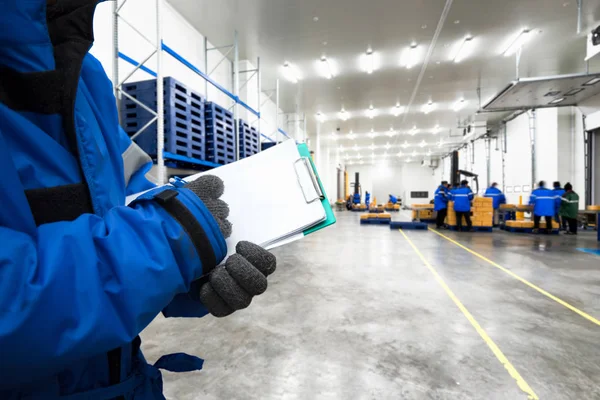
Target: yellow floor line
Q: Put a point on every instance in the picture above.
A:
(486, 338)
(525, 281)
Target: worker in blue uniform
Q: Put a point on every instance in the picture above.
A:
(559, 192)
(545, 205)
(498, 199)
(81, 274)
(367, 199)
(440, 204)
(393, 199)
(462, 198)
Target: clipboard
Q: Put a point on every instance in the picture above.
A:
(330, 216)
(275, 197)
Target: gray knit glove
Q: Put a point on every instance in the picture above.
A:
(231, 287)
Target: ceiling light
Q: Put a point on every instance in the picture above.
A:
(423, 144)
(592, 82)
(341, 148)
(388, 146)
(410, 56)
(436, 130)
(372, 146)
(327, 68)
(405, 145)
(517, 43)
(459, 105)
(359, 156)
(371, 112)
(414, 153)
(429, 153)
(344, 115)
(351, 135)
(408, 160)
(413, 131)
(369, 61)
(291, 73)
(556, 101)
(396, 111)
(355, 148)
(372, 134)
(320, 117)
(334, 137)
(441, 143)
(429, 107)
(400, 154)
(391, 132)
(463, 49)
(573, 92)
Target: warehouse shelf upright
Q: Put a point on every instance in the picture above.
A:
(158, 47)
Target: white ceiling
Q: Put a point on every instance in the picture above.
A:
(285, 30)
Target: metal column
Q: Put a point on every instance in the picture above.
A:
(504, 150)
(532, 135)
(236, 93)
(160, 104)
(277, 114)
(488, 160)
(258, 101)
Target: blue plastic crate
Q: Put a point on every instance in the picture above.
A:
(185, 126)
(267, 145)
(182, 136)
(249, 139)
(218, 115)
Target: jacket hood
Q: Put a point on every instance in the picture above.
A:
(25, 38)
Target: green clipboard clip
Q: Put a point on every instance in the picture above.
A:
(329, 215)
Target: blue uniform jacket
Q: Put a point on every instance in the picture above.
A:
(72, 291)
(462, 199)
(497, 195)
(441, 198)
(559, 194)
(545, 202)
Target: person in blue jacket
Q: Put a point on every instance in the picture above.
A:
(545, 205)
(498, 199)
(559, 192)
(367, 199)
(462, 198)
(81, 273)
(440, 204)
(393, 199)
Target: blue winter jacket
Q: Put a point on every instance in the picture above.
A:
(558, 193)
(393, 199)
(440, 201)
(497, 195)
(545, 202)
(462, 199)
(76, 288)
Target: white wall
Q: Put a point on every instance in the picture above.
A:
(182, 37)
(383, 179)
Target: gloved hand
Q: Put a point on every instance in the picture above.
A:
(231, 287)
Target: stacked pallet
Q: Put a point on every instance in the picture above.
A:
(376, 219)
(483, 212)
(530, 225)
(593, 208)
(220, 134)
(425, 211)
(392, 207)
(184, 124)
(249, 139)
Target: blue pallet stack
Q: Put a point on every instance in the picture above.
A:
(185, 130)
(249, 140)
(267, 145)
(220, 134)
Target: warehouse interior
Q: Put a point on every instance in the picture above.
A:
(384, 93)
(408, 109)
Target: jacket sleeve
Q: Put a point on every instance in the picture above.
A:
(502, 198)
(471, 195)
(532, 199)
(136, 164)
(81, 288)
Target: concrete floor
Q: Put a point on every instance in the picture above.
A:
(353, 313)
